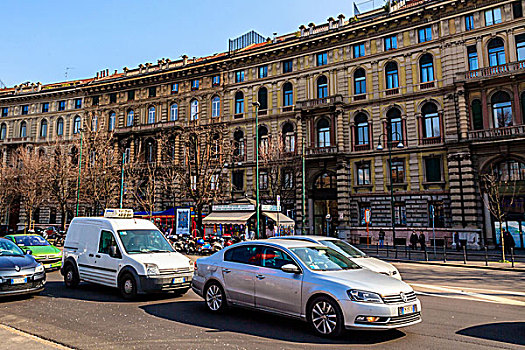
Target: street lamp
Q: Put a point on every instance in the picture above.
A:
(256, 104)
(81, 131)
(389, 146)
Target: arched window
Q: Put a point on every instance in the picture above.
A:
(151, 115)
(392, 80)
(94, 123)
(263, 138)
(238, 149)
(130, 118)
(194, 110)
(496, 49)
(361, 129)
(359, 81)
(149, 153)
(262, 97)
(477, 115)
(431, 124)
(288, 137)
(239, 102)
(322, 87)
(501, 109)
(510, 170)
(215, 107)
(323, 133)
(60, 127)
(43, 128)
(76, 124)
(325, 181)
(23, 129)
(174, 112)
(394, 125)
(426, 66)
(111, 121)
(287, 94)
(3, 131)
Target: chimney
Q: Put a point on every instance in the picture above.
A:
(115, 71)
(107, 72)
(311, 25)
(302, 28)
(97, 75)
(184, 60)
(331, 21)
(341, 19)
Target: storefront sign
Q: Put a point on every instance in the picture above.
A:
(266, 207)
(234, 207)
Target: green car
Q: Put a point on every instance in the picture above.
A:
(43, 252)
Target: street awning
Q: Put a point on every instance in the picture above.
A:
(280, 218)
(224, 217)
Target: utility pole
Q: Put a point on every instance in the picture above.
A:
(303, 188)
(79, 170)
(257, 205)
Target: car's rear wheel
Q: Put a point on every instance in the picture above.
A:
(128, 287)
(215, 297)
(325, 317)
(71, 278)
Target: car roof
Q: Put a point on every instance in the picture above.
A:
(308, 238)
(23, 235)
(285, 243)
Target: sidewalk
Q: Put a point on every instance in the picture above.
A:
(13, 339)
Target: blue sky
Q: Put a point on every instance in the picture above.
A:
(39, 39)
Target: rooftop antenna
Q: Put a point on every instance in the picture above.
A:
(2, 85)
(67, 69)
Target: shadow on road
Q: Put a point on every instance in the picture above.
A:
(97, 293)
(258, 324)
(505, 332)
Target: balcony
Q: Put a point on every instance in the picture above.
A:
(319, 102)
(145, 127)
(431, 140)
(315, 151)
(428, 85)
(391, 92)
(498, 133)
(363, 147)
(494, 71)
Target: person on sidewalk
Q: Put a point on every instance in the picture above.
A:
(413, 240)
(457, 241)
(422, 241)
(509, 241)
(381, 237)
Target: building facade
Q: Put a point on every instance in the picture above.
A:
(400, 109)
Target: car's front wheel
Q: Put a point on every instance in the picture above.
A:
(215, 297)
(325, 317)
(128, 286)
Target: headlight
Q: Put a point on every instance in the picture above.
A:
(152, 269)
(39, 268)
(364, 296)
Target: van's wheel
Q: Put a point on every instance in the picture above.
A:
(128, 286)
(325, 317)
(215, 297)
(71, 278)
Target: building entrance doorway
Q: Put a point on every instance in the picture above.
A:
(324, 196)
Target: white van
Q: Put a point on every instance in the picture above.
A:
(119, 251)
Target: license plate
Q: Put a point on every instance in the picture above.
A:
(178, 280)
(404, 310)
(18, 280)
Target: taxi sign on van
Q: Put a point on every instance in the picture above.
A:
(118, 213)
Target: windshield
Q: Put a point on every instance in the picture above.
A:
(31, 241)
(9, 248)
(144, 241)
(324, 259)
(344, 248)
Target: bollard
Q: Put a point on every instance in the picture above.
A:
(406, 252)
(387, 250)
(512, 256)
(409, 257)
(486, 256)
(464, 255)
(396, 250)
(426, 255)
(444, 253)
(377, 249)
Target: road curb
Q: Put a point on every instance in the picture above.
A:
(39, 339)
(515, 269)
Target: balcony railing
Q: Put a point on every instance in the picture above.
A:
(364, 147)
(431, 140)
(428, 85)
(319, 102)
(391, 92)
(494, 71)
(321, 150)
(509, 131)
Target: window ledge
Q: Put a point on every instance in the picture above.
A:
(363, 186)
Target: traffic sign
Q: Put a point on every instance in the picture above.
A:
(368, 215)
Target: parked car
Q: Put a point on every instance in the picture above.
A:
(43, 252)
(20, 273)
(305, 280)
(356, 255)
(119, 251)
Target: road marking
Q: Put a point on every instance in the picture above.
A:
(33, 337)
(463, 293)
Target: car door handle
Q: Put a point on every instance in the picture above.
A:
(261, 277)
(226, 270)
(91, 255)
(97, 256)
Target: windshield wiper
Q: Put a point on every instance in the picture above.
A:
(160, 251)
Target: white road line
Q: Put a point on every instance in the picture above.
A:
(34, 337)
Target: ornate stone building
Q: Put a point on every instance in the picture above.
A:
(438, 83)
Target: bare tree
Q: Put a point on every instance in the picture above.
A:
(497, 189)
(170, 163)
(32, 173)
(7, 188)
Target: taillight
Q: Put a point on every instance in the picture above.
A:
(195, 265)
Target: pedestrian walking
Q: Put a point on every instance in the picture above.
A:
(413, 240)
(509, 241)
(457, 241)
(422, 241)
(381, 237)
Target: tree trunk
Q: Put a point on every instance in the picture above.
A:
(63, 221)
(198, 220)
(502, 240)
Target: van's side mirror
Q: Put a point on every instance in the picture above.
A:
(291, 268)
(29, 252)
(113, 252)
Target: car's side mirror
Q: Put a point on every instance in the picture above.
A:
(291, 268)
(29, 252)
(113, 252)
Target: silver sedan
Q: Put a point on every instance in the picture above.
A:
(304, 280)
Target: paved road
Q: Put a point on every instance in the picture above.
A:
(462, 308)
